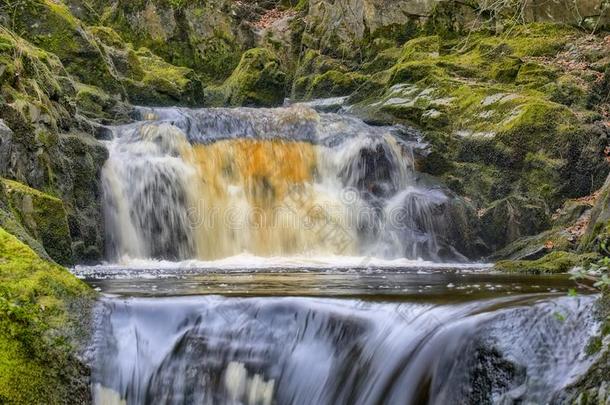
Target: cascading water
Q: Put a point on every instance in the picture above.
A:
(304, 318)
(214, 183)
(317, 351)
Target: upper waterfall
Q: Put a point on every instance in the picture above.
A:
(213, 183)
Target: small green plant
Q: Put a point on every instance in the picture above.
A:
(597, 272)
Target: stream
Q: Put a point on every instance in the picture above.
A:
(290, 256)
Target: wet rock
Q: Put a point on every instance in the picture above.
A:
(258, 80)
(45, 325)
(552, 263)
(44, 217)
(506, 220)
(51, 26)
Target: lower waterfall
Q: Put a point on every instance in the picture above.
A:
(317, 351)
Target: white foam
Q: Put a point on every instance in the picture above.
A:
(252, 262)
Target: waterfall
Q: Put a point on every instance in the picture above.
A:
(263, 351)
(214, 183)
(258, 220)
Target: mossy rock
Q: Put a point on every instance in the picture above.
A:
(476, 181)
(314, 63)
(382, 60)
(535, 75)
(94, 102)
(41, 334)
(36, 88)
(107, 36)
(566, 90)
(44, 217)
(552, 263)
(11, 224)
(330, 84)
(52, 27)
(258, 80)
(206, 36)
(537, 246)
(414, 71)
(152, 81)
(420, 48)
(510, 218)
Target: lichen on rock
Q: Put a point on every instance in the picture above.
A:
(41, 330)
(44, 217)
(258, 80)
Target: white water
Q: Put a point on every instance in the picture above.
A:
(216, 183)
(289, 202)
(214, 350)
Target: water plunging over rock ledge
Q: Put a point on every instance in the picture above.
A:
(213, 183)
(289, 256)
(214, 350)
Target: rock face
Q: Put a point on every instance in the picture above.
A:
(598, 231)
(44, 315)
(208, 36)
(44, 217)
(257, 81)
(339, 28)
(505, 106)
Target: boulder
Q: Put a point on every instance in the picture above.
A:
(44, 217)
(258, 80)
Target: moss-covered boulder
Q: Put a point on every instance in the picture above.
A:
(44, 217)
(206, 36)
(258, 80)
(162, 83)
(329, 84)
(51, 26)
(597, 235)
(36, 89)
(44, 313)
(553, 263)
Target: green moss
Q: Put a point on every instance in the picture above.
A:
(44, 217)
(198, 35)
(329, 84)
(93, 101)
(38, 331)
(506, 70)
(555, 262)
(535, 75)
(52, 27)
(382, 60)
(420, 48)
(258, 80)
(566, 90)
(107, 36)
(35, 85)
(152, 81)
(415, 71)
(479, 182)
